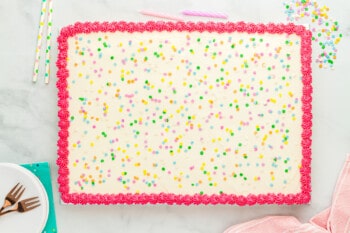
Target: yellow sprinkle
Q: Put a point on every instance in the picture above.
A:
(265, 137)
(137, 164)
(92, 144)
(74, 145)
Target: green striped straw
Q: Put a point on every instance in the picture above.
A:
(40, 36)
(48, 43)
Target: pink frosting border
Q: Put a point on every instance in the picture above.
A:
(167, 198)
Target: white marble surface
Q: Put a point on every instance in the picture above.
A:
(28, 113)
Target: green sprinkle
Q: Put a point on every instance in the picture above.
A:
(201, 153)
(82, 99)
(104, 134)
(232, 46)
(198, 39)
(102, 160)
(112, 57)
(198, 67)
(105, 44)
(163, 168)
(286, 170)
(72, 118)
(201, 192)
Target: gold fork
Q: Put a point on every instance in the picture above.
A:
(24, 205)
(13, 196)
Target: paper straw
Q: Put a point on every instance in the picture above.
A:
(160, 15)
(48, 43)
(205, 14)
(40, 36)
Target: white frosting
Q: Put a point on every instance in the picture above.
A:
(138, 169)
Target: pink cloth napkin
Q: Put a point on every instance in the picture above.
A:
(335, 219)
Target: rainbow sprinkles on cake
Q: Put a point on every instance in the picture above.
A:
(184, 113)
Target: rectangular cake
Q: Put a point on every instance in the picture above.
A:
(184, 113)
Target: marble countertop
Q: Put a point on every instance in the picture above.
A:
(28, 113)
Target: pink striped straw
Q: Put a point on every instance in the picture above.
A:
(205, 14)
(160, 15)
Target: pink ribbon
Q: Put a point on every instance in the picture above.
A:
(335, 219)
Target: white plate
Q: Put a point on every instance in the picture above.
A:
(33, 221)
